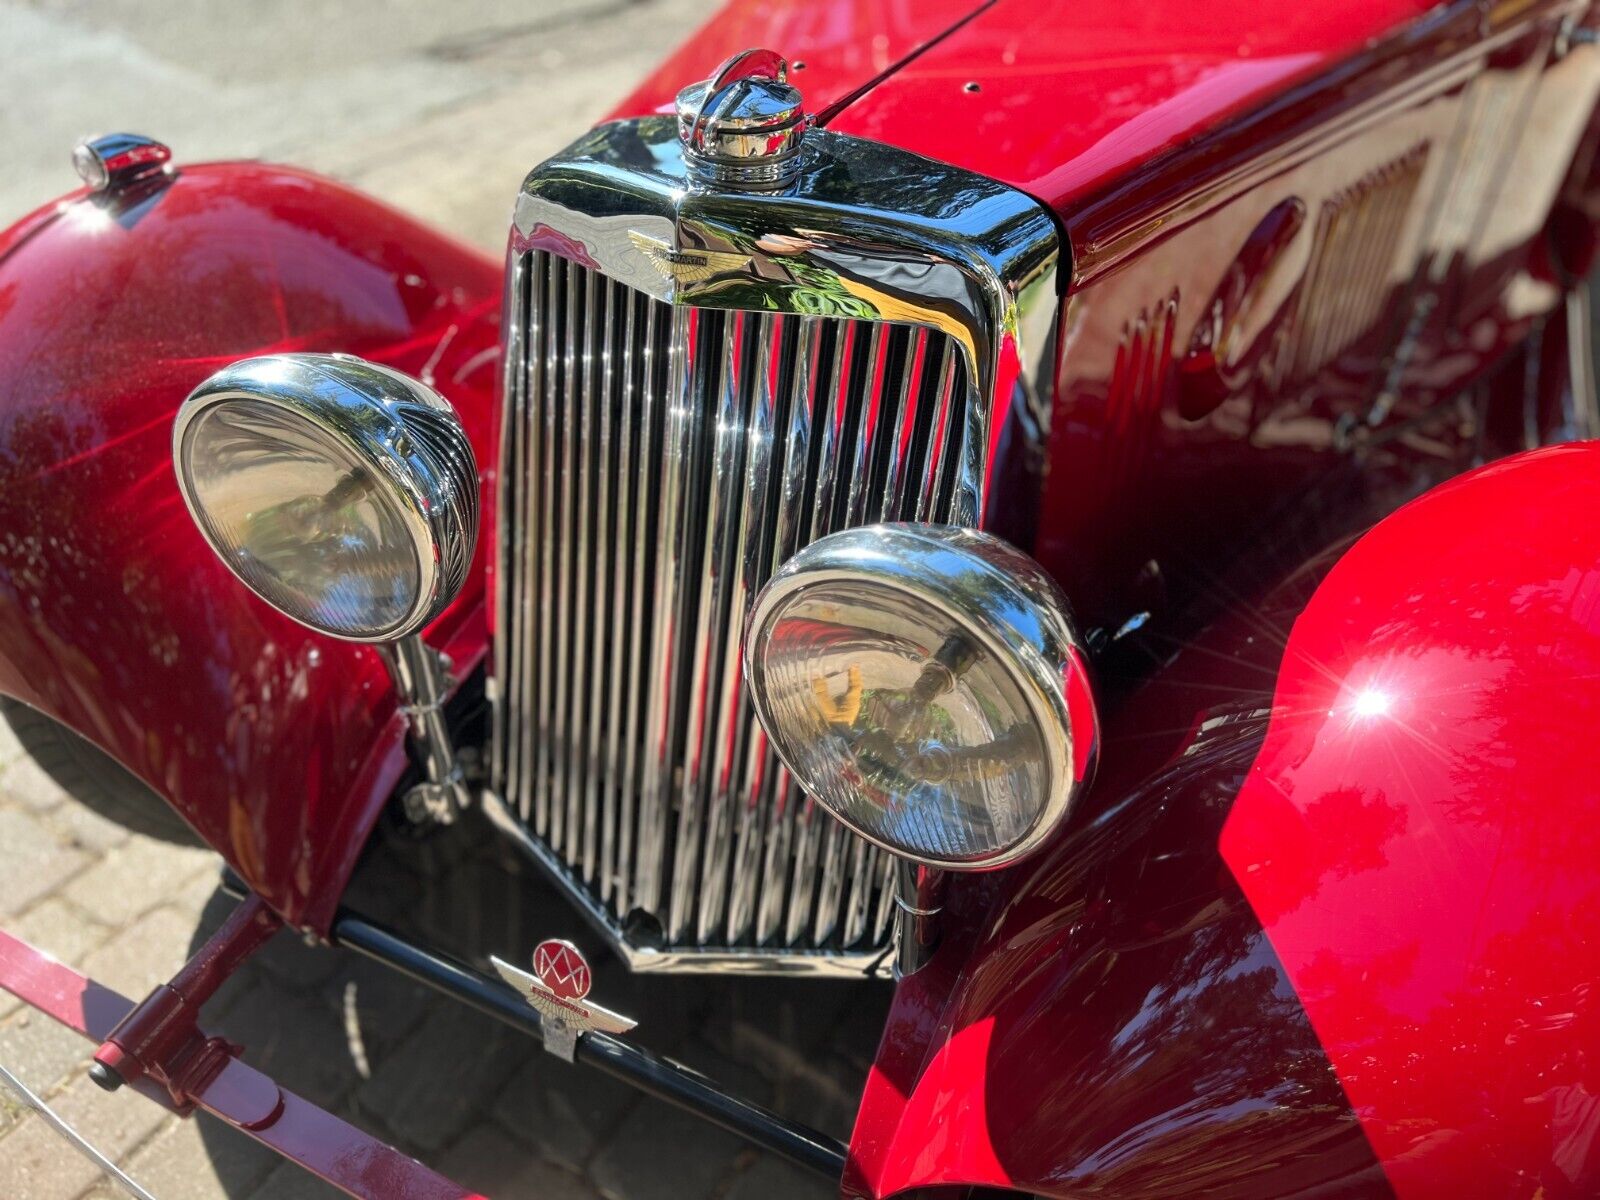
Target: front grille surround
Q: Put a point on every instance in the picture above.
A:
(697, 385)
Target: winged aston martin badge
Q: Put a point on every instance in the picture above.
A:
(561, 979)
(684, 267)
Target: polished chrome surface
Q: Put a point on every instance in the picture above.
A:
(115, 160)
(699, 383)
(1580, 401)
(742, 127)
(925, 684)
(331, 433)
(919, 909)
(421, 676)
(1352, 249)
(557, 989)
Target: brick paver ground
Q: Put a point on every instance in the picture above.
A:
(452, 1087)
(439, 109)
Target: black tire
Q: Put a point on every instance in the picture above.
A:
(92, 777)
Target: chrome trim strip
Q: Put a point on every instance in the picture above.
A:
(547, 397)
(661, 712)
(586, 672)
(504, 753)
(567, 549)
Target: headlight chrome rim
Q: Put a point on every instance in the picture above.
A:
(404, 432)
(1041, 651)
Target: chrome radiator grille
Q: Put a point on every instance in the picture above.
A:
(658, 463)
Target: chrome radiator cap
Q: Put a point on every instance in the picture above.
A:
(742, 127)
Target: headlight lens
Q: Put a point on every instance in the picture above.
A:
(925, 686)
(341, 493)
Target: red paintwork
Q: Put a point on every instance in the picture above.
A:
(1109, 1019)
(352, 1161)
(278, 745)
(159, 1037)
(1162, 457)
(1418, 835)
(1075, 97)
(63, 995)
(1402, 906)
(1031, 1054)
(1165, 137)
(841, 44)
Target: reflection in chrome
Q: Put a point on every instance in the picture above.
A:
(343, 493)
(700, 383)
(1580, 402)
(1353, 253)
(919, 901)
(117, 160)
(742, 127)
(925, 684)
(421, 676)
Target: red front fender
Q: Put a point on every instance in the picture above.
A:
(277, 745)
(1420, 834)
(1341, 936)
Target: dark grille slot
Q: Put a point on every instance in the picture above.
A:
(657, 465)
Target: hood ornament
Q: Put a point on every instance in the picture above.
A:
(560, 980)
(115, 162)
(742, 128)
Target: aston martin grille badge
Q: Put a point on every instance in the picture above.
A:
(561, 979)
(684, 267)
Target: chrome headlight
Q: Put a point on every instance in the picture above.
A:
(342, 493)
(925, 685)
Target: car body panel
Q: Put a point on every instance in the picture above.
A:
(1139, 1011)
(278, 745)
(1215, 359)
(835, 47)
(1071, 98)
(1362, 867)
(1169, 141)
(1418, 835)
(1109, 1019)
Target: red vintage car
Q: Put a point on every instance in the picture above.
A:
(1077, 511)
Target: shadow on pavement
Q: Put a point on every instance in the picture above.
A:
(486, 1105)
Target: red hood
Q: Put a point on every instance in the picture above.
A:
(835, 47)
(1070, 97)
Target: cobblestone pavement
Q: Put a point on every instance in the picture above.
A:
(457, 1090)
(439, 109)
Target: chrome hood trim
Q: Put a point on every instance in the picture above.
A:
(868, 232)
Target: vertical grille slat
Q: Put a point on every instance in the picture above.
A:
(658, 464)
(547, 402)
(721, 451)
(660, 712)
(585, 682)
(732, 720)
(608, 722)
(512, 587)
(651, 368)
(567, 551)
(604, 586)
